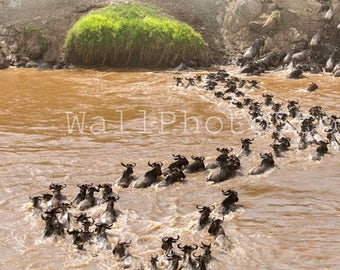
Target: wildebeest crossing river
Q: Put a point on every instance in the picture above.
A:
(77, 126)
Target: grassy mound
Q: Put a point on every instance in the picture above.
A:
(132, 35)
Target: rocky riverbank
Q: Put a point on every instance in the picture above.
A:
(32, 33)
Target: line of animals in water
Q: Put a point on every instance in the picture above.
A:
(53, 208)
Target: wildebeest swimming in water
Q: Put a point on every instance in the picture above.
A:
(295, 74)
(150, 176)
(266, 163)
(312, 87)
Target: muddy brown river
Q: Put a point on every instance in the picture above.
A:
(77, 126)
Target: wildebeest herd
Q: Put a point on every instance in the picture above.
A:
(64, 216)
(321, 54)
(69, 216)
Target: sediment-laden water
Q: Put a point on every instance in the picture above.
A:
(77, 126)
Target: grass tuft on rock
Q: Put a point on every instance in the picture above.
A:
(132, 35)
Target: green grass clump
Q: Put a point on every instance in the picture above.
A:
(132, 35)
(274, 18)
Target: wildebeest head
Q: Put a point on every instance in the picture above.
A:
(268, 99)
(167, 243)
(205, 213)
(101, 228)
(120, 248)
(246, 143)
(180, 162)
(157, 168)
(267, 159)
(231, 199)
(216, 227)
(107, 189)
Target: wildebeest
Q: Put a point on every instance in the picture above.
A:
(266, 163)
(187, 259)
(180, 162)
(330, 64)
(80, 237)
(205, 213)
(254, 50)
(57, 196)
(293, 108)
(150, 176)
(312, 87)
(175, 175)
(302, 57)
(110, 214)
(295, 74)
(196, 166)
(229, 201)
(36, 203)
(321, 149)
(202, 261)
(82, 193)
(216, 228)
(268, 99)
(52, 224)
(221, 158)
(173, 259)
(153, 262)
(246, 142)
(127, 177)
(167, 243)
(65, 216)
(89, 200)
(85, 221)
(120, 249)
(101, 235)
(107, 190)
(225, 170)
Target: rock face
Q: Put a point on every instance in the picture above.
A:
(3, 61)
(229, 26)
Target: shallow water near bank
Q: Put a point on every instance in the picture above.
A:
(77, 126)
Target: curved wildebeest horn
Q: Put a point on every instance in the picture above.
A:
(194, 247)
(164, 239)
(211, 207)
(226, 192)
(199, 256)
(181, 246)
(199, 207)
(126, 243)
(35, 197)
(124, 165)
(177, 237)
(108, 226)
(154, 258)
(205, 245)
(176, 156)
(151, 165)
(193, 157)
